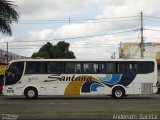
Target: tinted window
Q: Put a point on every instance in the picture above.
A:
(132, 67)
(123, 67)
(54, 67)
(35, 68)
(129, 66)
(145, 67)
(99, 68)
(88, 68)
(72, 67)
(85, 68)
(111, 67)
(78, 68)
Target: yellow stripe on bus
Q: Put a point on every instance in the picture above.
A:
(74, 87)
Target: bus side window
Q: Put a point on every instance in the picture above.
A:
(122, 67)
(54, 67)
(145, 67)
(96, 68)
(30, 68)
(136, 67)
(130, 67)
(111, 67)
(127, 67)
(70, 68)
(85, 68)
(41, 68)
(88, 68)
(99, 68)
(35, 68)
(77, 68)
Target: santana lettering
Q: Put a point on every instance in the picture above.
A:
(57, 77)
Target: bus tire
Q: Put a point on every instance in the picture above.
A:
(31, 93)
(118, 93)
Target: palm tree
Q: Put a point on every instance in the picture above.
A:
(8, 15)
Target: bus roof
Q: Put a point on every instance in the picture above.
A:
(21, 60)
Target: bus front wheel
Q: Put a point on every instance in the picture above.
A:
(31, 92)
(118, 92)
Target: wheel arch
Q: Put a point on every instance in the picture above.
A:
(118, 86)
(30, 87)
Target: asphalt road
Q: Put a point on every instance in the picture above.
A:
(90, 108)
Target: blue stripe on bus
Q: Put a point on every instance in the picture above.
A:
(94, 86)
(86, 86)
(114, 79)
(127, 78)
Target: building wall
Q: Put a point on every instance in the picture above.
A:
(11, 56)
(158, 55)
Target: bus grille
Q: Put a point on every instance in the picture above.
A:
(147, 88)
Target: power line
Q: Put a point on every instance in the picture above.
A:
(79, 42)
(117, 19)
(125, 17)
(94, 21)
(73, 20)
(70, 47)
(95, 44)
(81, 37)
(152, 38)
(152, 20)
(152, 29)
(153, 17)
(104, 21)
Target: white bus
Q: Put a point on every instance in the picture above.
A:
(117, 78)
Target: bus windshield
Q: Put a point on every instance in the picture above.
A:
(14, 73)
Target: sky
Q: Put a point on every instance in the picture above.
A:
(94, 28)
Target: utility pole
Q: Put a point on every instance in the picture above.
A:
(142, 40)
(7, 52)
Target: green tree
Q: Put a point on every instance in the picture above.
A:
(59, 51)
(8, 15)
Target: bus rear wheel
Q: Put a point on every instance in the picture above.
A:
(118, 93)
(31, 93)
